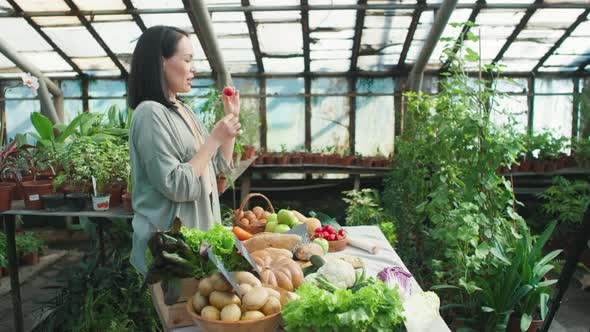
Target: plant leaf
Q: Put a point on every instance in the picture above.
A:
(43, 126)
(525, 321)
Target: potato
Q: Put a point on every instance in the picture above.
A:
(258, 211)
(210, 312)
(272, 306)
(244, 277)
(222, 299)
(250, 216)
(238, 214)
(245, 288)
(231, 313)
(199, 302)
(255, 298)
(272, 292)
(205, 286)
(219, 283)
(245, 222)
(251, 315)
(265, 215)
(262, 221)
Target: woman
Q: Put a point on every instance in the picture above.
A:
(173, 159)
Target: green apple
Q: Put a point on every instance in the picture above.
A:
(323, 243)
(270, 226)
(281, 228)
(286, 217)
(272, 217)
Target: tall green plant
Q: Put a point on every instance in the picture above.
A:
(448, 202)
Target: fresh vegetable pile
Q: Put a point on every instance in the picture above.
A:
(177, 253)
(328, 233)
(374, 307)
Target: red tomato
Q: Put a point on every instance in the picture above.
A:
(228, 91)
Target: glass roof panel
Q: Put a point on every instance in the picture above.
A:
(518, 64)
(22, 36)
(557, 69)
(528, 50)
(153, 4)
(120, 37)
(47, 61)
(47, 21)
(330, 2)
(332, 18)
(422, 29)
(109, 18)
(217, 3)
(243, 55)
(179, 20)
(235, 43)
(338, 54)
(383, 36)
(241, 67)
(565, 60)
(230, 29)
(330, 65)
(458, 16)
(273, 38)
(331, 44)
(95, 64)
(42, 5)
(288, 65)
(274, 2)
(582, 30)
(575, 45)
(380, 19)
(228, 17)
(376, 62)
(99, 4)
(554, 18)
(276, 15)
(341, 34)
(4, 6)
(197, 49)
(75, 41)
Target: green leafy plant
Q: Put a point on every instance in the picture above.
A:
(389, 230)
(29, 243)
(374, 307)
(77, 160)
(444, 194)
(363, 207)
(3, 258)
(566, 200)
(101, 295)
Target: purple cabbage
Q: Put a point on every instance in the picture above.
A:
(395, 275)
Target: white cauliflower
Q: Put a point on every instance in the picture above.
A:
(338, 272)
(420, 309)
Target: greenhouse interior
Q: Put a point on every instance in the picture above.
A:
(375, 165)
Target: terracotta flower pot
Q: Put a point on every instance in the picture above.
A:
(268, 158)
(308, 158)
(45, 174)
(514, 324)
(367, 162)
(526, 166)
(32, 193)
(115, 191)
(538, 166)
(550, 165)
(283, 159)
(18, 190)
(332, 159)
(347, 160)
(296, 159)
(30, 258)
(126, 197)
(319, 159)
(6, 191)
(514, 168)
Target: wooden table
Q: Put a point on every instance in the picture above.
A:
(373, 265)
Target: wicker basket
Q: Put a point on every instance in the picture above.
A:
(257, 228)
(266, 324)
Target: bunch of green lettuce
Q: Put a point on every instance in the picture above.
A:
(374, 307)
(222, 242)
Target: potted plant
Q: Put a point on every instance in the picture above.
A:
(36, 159)
(308, 157)
(531, 310)
(581, 147)
(282, 158)
(55, 200)
(120, 168)
(6, 166)
(77, 162)
(29, 246)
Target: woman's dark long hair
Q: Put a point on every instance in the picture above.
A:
(146, 79)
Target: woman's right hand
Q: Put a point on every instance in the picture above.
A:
(226, 129)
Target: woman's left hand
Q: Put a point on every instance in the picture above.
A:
(231, 104)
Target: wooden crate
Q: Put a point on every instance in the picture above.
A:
(173, 316)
